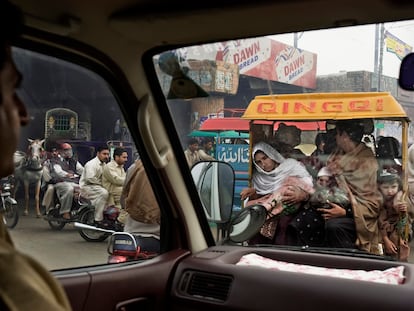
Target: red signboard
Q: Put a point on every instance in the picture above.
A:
(268, 59)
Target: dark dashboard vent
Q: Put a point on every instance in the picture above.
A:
(210, 286)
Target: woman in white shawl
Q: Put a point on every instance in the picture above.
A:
(279, 184)
(273, 172)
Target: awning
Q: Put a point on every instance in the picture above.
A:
(238, 124)
(225, 124)
(221, 134)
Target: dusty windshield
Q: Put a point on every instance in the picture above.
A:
(313, 124)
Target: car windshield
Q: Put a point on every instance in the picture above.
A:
(315, 127)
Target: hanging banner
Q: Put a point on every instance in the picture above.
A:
(396, 46)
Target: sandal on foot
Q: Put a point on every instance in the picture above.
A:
(65, 216)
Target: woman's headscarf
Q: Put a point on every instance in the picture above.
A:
(268, 182)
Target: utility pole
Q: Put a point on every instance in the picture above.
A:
(381, 54)
(377, 29)
(296, 37)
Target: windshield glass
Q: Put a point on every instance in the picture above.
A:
(313, 124)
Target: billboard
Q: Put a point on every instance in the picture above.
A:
(268, 59)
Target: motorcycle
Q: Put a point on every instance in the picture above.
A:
(9, 208)
(92, 233)
(124, 246)
(82, 211)
(80, 207)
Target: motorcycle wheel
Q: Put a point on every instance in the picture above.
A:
(88, 218)
(10, 215)
(55, 224)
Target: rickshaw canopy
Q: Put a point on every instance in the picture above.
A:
(325, 106)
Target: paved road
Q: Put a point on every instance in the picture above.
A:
(56, 249)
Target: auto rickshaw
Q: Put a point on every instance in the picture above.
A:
(304, 116)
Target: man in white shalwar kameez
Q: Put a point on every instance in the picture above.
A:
(91, 182)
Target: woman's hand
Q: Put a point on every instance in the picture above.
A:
(293, 194)
(247, 193)
(333, 212)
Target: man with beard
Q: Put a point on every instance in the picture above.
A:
(66, 172)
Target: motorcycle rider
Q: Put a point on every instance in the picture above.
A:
(66, 172)
(113, 177)
(91, 183)
(47, 180)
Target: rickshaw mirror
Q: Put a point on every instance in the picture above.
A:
(247, 223)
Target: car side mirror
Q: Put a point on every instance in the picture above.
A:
(406, 76)
(215, 185)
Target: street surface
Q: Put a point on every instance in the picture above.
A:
(56, 249)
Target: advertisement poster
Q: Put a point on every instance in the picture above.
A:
(268, 59)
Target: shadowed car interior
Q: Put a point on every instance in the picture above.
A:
(145, 75)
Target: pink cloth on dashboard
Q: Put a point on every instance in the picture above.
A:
(394, 275)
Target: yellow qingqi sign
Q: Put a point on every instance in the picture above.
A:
(325, 106)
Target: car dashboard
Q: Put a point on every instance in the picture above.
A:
(211, 279)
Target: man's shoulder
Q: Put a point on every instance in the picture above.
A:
(111, 164)
(91, 162)
(109, 167)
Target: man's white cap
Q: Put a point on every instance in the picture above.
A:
(324, 171)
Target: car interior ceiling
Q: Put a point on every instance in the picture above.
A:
(142, 15)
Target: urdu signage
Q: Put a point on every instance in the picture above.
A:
(236, 155)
